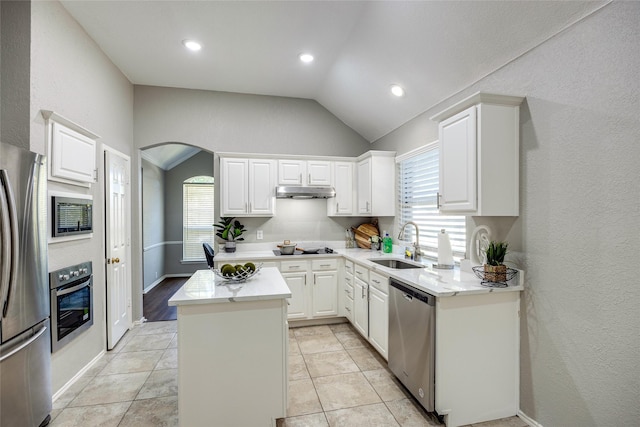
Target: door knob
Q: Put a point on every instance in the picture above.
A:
(115, 260)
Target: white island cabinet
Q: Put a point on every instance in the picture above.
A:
(232, 350)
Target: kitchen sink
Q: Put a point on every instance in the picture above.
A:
(395, 263)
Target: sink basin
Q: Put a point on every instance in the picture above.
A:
(395, 263)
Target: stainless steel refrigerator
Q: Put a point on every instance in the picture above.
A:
(25, 338)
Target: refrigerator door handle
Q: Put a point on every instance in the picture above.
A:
(24, 344)
(13, 240)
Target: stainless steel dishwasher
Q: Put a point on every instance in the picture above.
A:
(412, 329)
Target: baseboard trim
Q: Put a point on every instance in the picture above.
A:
(164, 276)
(77, 376)
(527, 419)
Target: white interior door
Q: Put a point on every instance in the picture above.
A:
(118, 230)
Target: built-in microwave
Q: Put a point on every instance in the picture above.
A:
(71, 216)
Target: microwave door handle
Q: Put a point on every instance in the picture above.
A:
(14, 244)
(73, 289)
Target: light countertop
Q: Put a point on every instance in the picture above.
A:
(204, 287)
(440, 283)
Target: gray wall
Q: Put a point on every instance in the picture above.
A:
(580, 217)
(15, 37)
(73, 77)
(153, 219)
(200, 164)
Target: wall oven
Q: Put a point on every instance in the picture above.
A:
(71, 303)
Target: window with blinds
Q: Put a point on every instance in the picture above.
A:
(418, 176)
(197, 216)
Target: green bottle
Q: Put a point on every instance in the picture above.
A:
(387, 244)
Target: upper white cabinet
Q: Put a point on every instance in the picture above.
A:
(376, 184)
(342, 182)
(71, 151)
(304, 172)
(479, 156)
(247, 187)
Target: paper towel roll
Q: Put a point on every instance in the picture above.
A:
(445, 254)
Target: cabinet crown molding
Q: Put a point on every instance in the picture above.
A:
(478, 98)
(55, 117)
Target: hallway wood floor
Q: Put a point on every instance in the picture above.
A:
(154, 302)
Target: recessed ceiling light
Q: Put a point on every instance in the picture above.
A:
(192, 45)
(397, 90)
(306, 57)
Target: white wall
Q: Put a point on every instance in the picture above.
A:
(579, 227)
(71, 76)
(153, 220)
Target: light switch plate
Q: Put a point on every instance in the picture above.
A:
(259, 235)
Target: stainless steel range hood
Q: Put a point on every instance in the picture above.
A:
(290, 192)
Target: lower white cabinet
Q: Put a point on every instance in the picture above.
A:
(346, 297)
(379, 313)
(314, 287)
(361, 307)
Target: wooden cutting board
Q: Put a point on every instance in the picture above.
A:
(363, 235)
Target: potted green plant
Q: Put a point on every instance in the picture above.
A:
(494, 269)
(229, 230)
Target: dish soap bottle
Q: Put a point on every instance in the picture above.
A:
(387, 244)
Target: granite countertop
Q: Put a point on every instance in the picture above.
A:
(204, 287)
(440, 283)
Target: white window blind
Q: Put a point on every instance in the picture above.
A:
(197, 216)
(418, 183)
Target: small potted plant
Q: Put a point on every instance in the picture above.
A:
(494, 269)
(229, 230)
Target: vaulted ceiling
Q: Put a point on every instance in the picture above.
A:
(431, 48)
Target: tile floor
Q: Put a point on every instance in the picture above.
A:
(335, 379)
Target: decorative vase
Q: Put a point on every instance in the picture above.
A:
(229, 246)
(495, 273)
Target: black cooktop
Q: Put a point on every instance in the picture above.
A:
(318, 252)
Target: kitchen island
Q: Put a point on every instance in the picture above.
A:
(232, 350)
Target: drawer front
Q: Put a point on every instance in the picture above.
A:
(348, 290)
(379, 282)
(324, 264)
(291, 266)
(348, 280)
(348, 267)
(348, 308)
(362, 273)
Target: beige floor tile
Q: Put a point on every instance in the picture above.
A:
(350, 339)
(341, 327)
(303, 398)
(169, 359)
(312, 420)
(385, 385)
(160, 383)
(365, 359)
(345, 391)
(158, 327)
(292, 333)
(318, 343)
(174, 341)
(110, 389)
(62, 401)
(128, 336)
(108, 415)
(410, 414)
(312, 331)
(135, 361)
(159, 412)
(54, 414)
(148, 342)
(376, 415)
(297, 368)
(504, 422)
(294, 348)
(329, 363)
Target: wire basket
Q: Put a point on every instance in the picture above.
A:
(239, 276)
(494, 280)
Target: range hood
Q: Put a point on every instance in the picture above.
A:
(291, 192)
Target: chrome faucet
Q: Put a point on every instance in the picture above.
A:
(417, 254)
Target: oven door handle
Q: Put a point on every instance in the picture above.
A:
(75, 288)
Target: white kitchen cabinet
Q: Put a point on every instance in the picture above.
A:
(361, 300)
(479, 156)
(346, 296)
(342, 182)
(379, 313)
(376, 184)
(314, 287)
(304, 172)
(248, 187)
(71, 151)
